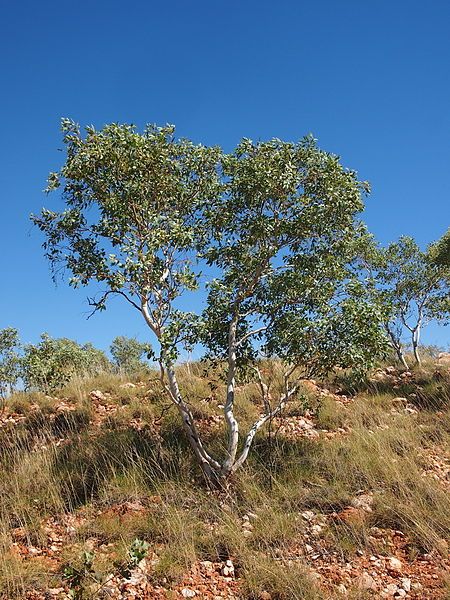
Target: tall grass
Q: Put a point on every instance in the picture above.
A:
(97, 469)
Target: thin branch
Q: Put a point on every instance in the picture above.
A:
(97, 303)
(249, 334)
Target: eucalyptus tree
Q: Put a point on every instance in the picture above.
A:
(9, 360)
(415, 289)
(275, 225)
(128, 354)
(53, 362)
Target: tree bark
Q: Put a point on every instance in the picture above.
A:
(397, 347)
(258, 424)
(232, 424)
(209, 466)
(415, 344)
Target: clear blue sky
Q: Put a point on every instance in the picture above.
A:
(371, 80)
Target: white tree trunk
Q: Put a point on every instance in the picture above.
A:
(209, 466)
(396, 344)
(230, 419)
(415, 344)
(257, 426)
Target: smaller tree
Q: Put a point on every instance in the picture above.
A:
(128, 354)
(9, 360)
(52, 363)
(414, 290)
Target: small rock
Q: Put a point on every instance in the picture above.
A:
(188, 593)
(265, 596)
(208, 565)
(363, 501)
(97, 396)
(394, 564)
(127, 385)
(400, 593)
(342, 589)
(308, 515)
(400, 402)
(391, 589)
(406, 584)
(366, 582)
(228, 569)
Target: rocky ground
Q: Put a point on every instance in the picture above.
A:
(393, 568)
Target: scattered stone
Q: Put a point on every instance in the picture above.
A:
(391, 589)
(128, 385)
(394, 564)
(265, 596)
(364, 501)
(443, 358)
(308, 515)
(366, 581)
(228, 569)
(97, 396)
(400, 402)
(406, 584)
(188, 593)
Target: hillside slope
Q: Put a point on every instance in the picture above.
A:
(346, 496)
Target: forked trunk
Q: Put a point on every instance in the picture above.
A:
(397, 346)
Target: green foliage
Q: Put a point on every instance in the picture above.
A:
(53, 362)
(80, 578)
(127, 354)
(137, 551)
(9, 360)
(76, 577)
(286, 239)
(440, 250)
(150, 193)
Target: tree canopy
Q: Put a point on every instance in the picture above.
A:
(128, 354)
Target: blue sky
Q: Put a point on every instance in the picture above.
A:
(370, 80)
